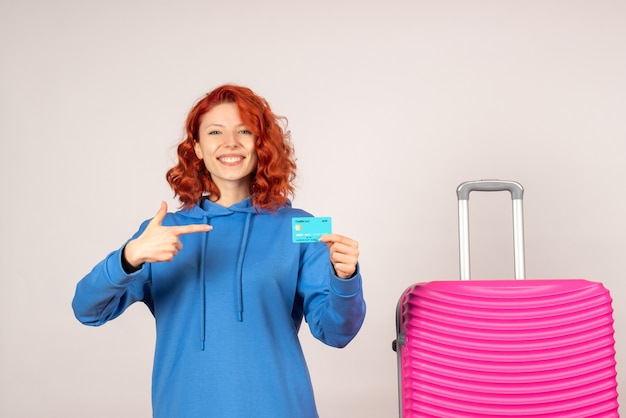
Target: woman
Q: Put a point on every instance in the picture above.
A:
(227, 286)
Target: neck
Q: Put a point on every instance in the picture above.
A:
(231, 194)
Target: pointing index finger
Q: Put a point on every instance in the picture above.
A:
(189, 229)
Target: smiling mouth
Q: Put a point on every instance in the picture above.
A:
(230, 159)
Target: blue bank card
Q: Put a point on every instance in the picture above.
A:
(309, 229)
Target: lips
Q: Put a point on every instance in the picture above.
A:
(230, 159)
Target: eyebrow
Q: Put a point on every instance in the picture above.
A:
(223, 126)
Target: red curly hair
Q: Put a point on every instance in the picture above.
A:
(272, 180)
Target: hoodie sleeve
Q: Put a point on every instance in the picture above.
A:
(334, 308)
(108, 290)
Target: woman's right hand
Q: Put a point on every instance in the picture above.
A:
(158, 242)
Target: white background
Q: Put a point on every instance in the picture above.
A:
(391, 105)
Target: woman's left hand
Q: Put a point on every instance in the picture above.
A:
(344, 254)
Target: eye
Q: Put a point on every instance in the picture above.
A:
(245, 132)
(213, 132)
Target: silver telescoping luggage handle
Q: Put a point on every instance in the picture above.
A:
(517, 195)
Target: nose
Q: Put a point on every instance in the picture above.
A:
(231, 140)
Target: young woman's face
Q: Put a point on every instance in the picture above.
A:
(227, 147)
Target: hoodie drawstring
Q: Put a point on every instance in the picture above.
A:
(239, 277)
(242, 251)
(203, 290)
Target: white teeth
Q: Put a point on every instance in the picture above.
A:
(230, 160)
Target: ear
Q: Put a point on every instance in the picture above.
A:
(197, 149)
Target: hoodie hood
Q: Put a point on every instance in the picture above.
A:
(207, 210)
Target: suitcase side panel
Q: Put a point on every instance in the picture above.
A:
(533, 348)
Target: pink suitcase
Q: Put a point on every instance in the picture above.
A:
(505, 348)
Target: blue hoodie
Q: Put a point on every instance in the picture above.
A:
(228, 309)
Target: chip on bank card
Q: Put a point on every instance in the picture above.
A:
(309, 229)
